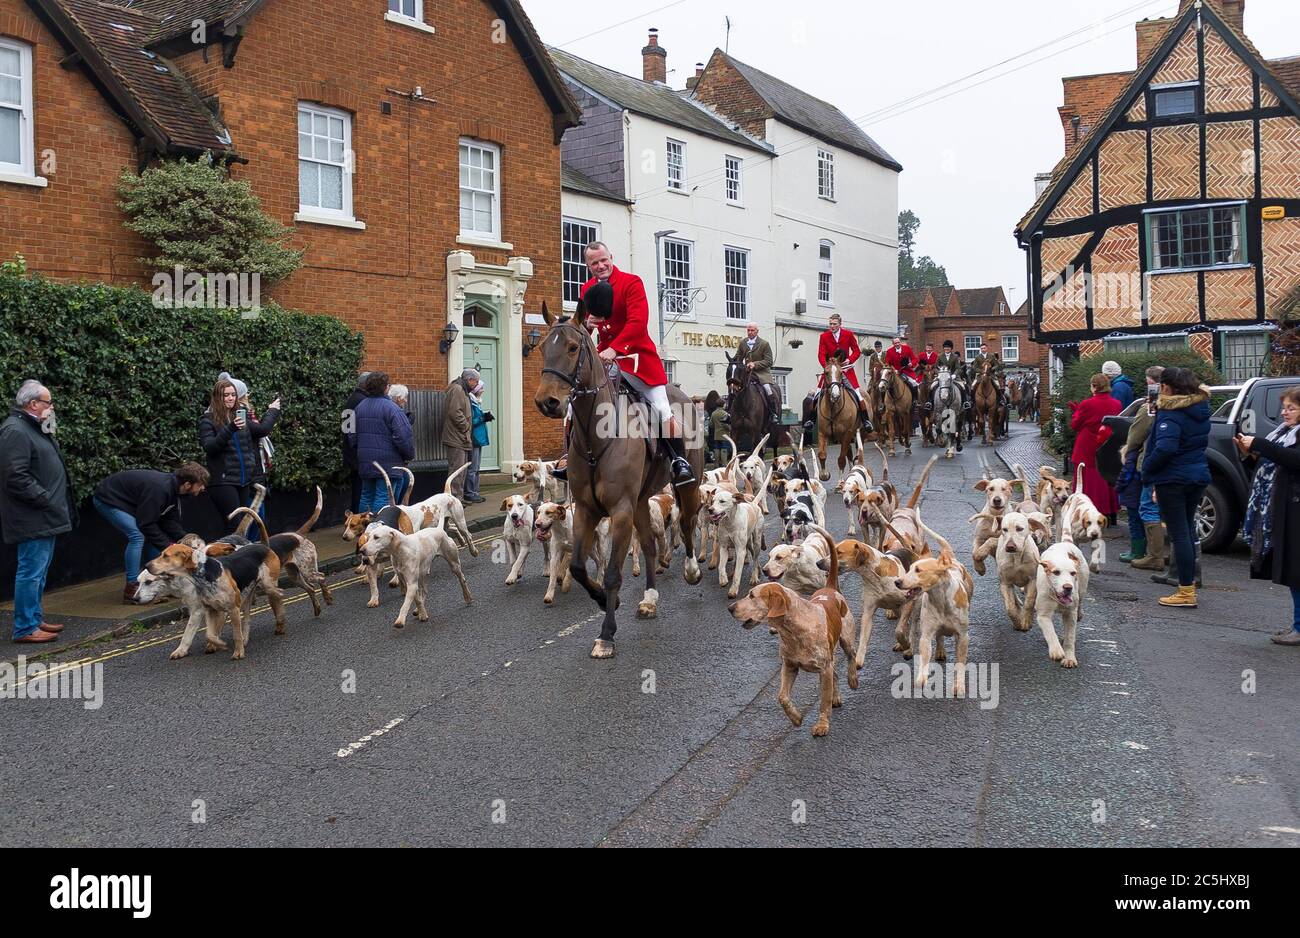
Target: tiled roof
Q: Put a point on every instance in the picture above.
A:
(942, 296)
(119, 41)
(576, 181)
(980, 302)
(652, 100)
(1285, 71)
(812, 115)
(913, 299)
(158, 88)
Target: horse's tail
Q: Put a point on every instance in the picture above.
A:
(920, 485)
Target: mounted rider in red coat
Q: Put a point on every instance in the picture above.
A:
(616, 305)
(837, 341)
(929, 358)
(902, 359)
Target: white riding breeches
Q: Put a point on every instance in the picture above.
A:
(656, 397)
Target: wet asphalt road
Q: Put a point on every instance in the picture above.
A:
(490, 726)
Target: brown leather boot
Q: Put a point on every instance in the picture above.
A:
(1155, 558)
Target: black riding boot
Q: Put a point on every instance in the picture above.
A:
(562, 473)
(681, 467)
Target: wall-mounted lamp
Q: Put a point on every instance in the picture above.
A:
(449, 334)
(534, 340)
(796, 344)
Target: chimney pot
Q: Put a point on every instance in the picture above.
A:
(654, 60)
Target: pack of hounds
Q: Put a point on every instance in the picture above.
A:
(1033, 534)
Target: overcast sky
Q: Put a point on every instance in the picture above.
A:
(969, 158)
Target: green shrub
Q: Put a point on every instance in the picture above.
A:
(1074, 384)
(202, 220)
(130, 380)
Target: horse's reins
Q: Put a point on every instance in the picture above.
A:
(579, 390)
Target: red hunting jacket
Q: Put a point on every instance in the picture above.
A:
(930, 361)
(627, 331)
(848, 344)
(894, 359)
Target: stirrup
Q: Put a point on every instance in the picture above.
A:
(682, 474)
(561, 474)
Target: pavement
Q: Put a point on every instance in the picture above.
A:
(490, 726)
(93, 612)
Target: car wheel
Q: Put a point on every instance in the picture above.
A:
(1216, 520)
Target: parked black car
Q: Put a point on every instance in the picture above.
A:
(1255, 409)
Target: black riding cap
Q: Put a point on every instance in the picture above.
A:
(599, 300)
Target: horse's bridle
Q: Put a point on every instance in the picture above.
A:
(577, 391)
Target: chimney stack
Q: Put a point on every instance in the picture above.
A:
(699, 73)
(654, 60)
(1234, 13)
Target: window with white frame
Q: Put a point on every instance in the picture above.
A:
(1196, 238)
(324, 161)
(1011, 348)
(575, 237)
(676, 165)
(678, 276)
(825, 174)
(411, 9)
(670, 369)
(16, 138)
(480, 190)
(973, 343)
(825, 274)
(781, 378)
(737, 279)
(734, 191)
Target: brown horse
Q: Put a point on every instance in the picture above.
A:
(985, 395)
(612, 471)
(927, 411)
(837, 417)
(896, 400)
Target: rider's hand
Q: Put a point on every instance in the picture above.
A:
(608, 356)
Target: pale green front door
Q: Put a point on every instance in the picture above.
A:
(481, 344)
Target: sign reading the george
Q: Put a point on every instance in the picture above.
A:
(1274, 212)
(709, 340)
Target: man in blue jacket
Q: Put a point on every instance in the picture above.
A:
(145, 507)
(1121, 387)
(382, 435)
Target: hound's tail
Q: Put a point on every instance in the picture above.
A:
(266, 538)
(832, 575)
(1023, 478)
(259, 497)
(387, 481)
(943, 542)
(446, 489)
(734, 448)
(1078, 477)
(884, 461)
(315, 515)
(921, 483)
(410, 480)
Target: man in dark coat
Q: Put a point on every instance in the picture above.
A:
(347, 444)
(145, 507)
(458, 426)
(35, 505)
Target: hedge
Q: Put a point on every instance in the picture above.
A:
(1074, 384)
(130, 380)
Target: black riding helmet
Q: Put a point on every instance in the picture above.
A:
(599, 300)
(947, 343)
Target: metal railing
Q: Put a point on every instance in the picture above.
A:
(428, 410)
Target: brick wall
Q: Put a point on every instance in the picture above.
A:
(725, 90)
(389, 280)
(1089, 97)
(992, 328)
(71, 229)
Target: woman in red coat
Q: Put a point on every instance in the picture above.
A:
(1086, 423)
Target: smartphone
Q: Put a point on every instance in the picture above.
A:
(242, 413)
(1153, 395)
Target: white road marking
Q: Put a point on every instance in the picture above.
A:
(1113, 683)
(1136, 747)
(1120, 693)
(1274, 831)
(365, 740)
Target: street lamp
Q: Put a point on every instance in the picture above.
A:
(534, 340)
(659, 285)
(449, 334)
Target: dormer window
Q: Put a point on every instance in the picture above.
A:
(1172, 101)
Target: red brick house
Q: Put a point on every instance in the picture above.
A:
(1173, 219)
(414, 146)
(968, 319)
